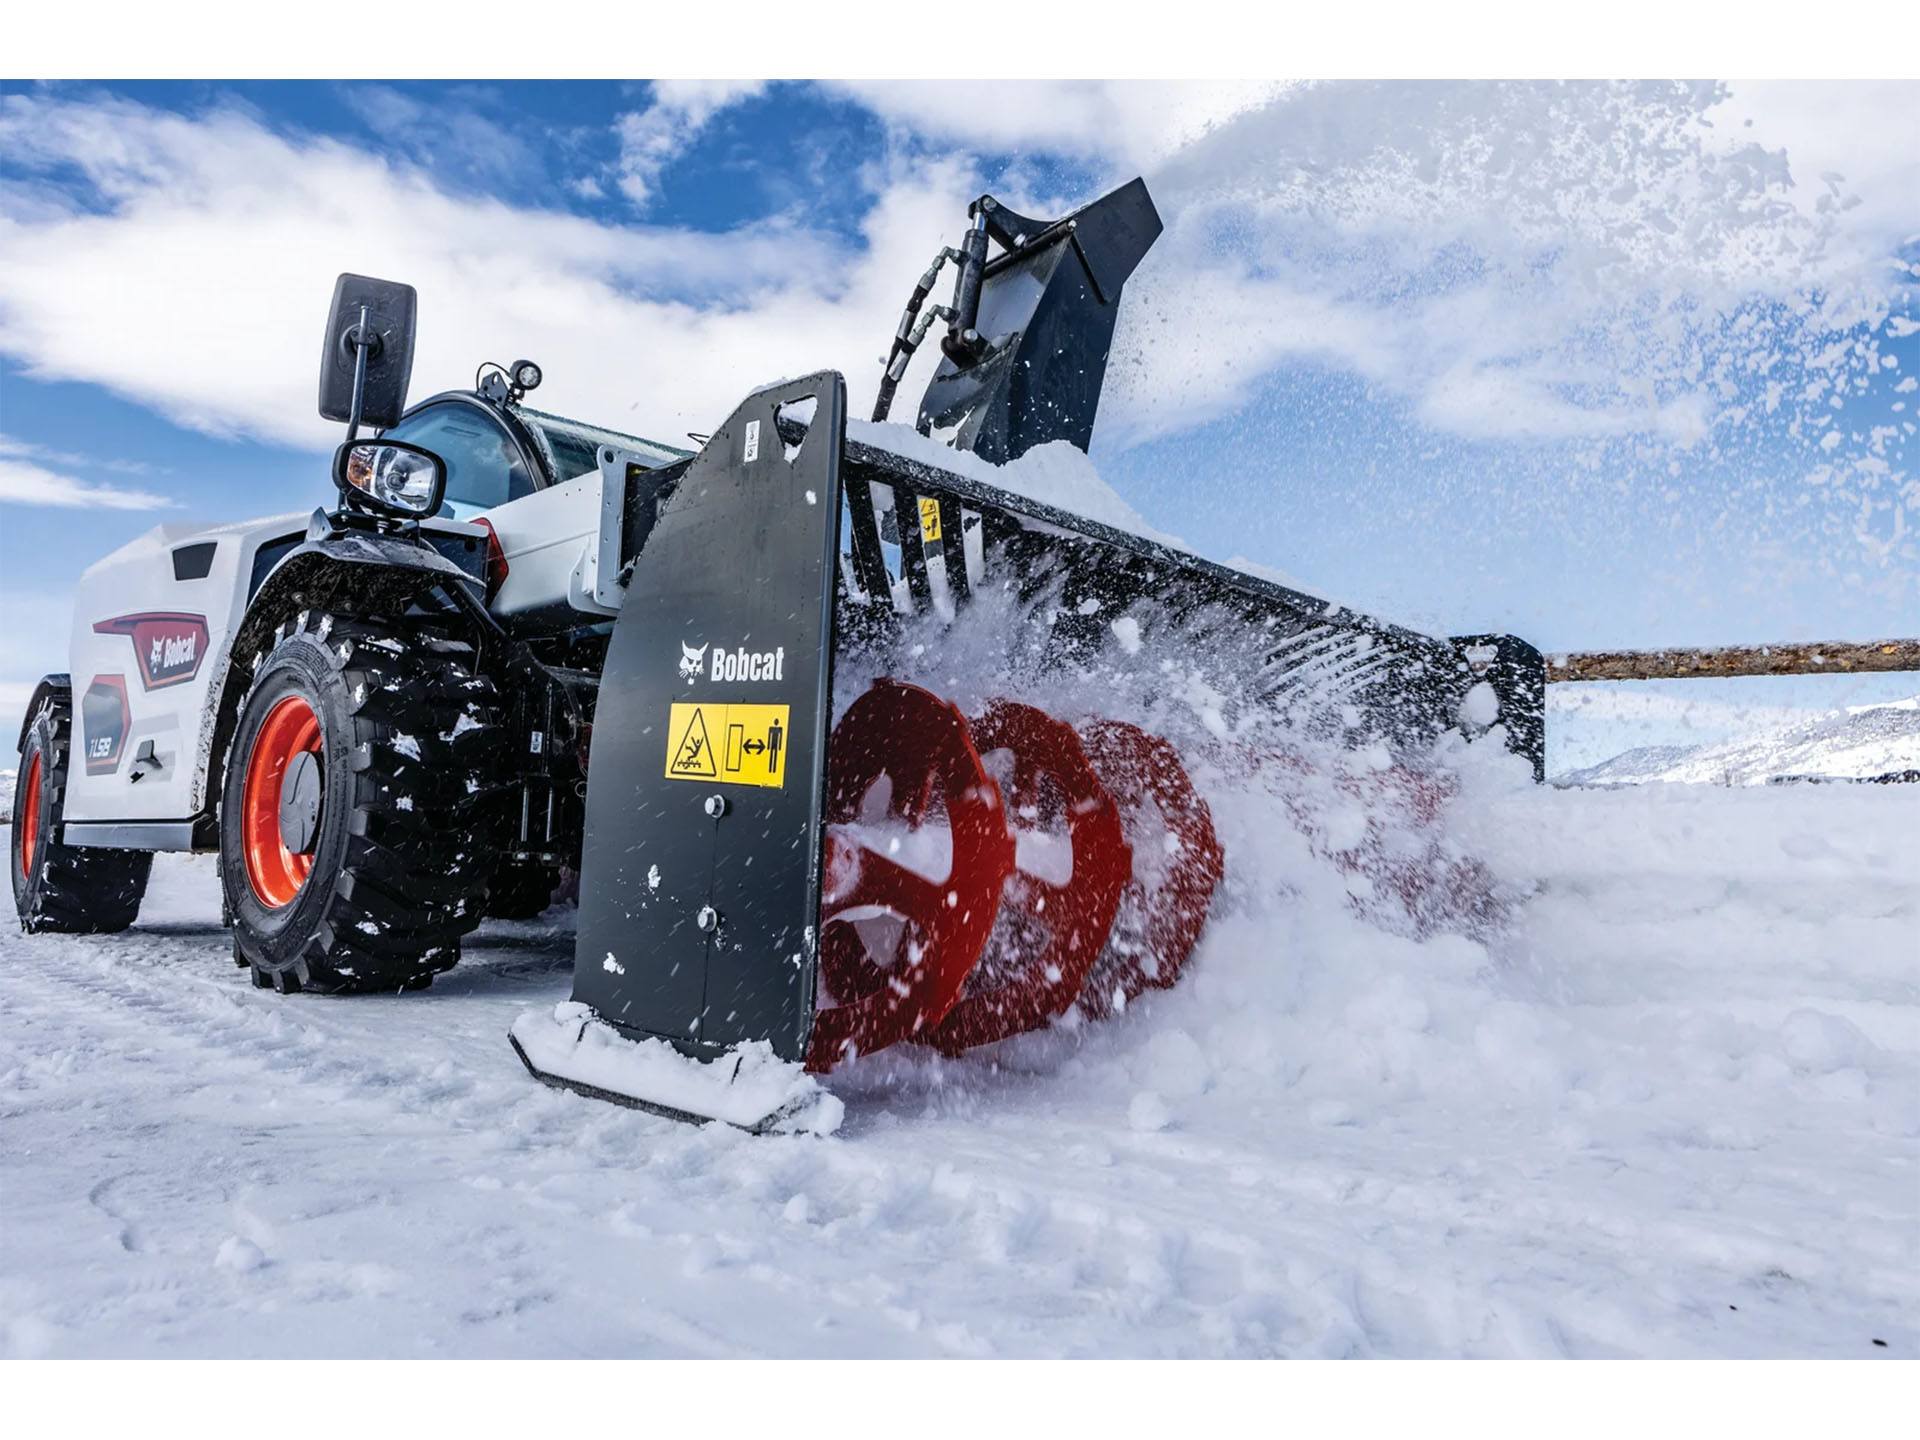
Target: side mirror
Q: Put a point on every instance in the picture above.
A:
(391, 476)
(387, 309)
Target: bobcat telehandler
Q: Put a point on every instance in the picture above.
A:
(518, 643)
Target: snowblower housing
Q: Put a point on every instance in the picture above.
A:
(785, 541)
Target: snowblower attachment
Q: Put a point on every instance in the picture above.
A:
(700, 861)
(772, 888)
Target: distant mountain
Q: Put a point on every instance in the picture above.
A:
(1629, 767)
(1854, 744)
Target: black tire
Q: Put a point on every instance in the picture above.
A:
(521, 890)
(409, 806)
(64, 889)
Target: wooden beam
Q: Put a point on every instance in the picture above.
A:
(1817, 658)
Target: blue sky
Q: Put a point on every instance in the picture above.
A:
(1601, 365)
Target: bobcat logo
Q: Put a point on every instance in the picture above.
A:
(168, 647)
(693, 663)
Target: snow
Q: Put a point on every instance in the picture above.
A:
(1057, 474)
(1669, 1105)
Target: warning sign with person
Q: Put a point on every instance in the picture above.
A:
(733, 744)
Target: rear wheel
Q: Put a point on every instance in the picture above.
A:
(362, 796)
(60, 888)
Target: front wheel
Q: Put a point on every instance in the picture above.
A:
(362, 796)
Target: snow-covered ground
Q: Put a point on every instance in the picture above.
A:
(1671, 1107)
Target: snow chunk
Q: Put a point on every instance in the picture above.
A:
(748, 1086)
(1480, 707)
(1148, 1113)
(406, 745)
(239, 1256)
(1821, 1043)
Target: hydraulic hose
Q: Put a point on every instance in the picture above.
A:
(912, 330)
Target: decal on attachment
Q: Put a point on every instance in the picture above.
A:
(104, 719)
(733, 744)
(168, 647)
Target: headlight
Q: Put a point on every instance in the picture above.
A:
(394, 476)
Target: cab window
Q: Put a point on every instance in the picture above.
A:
(484, 466)
(573, 454)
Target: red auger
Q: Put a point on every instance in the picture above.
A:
(963, 906)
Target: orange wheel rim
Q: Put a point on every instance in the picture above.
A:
(30, 817)
(275, 872)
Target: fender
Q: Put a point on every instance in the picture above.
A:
(60, 686)
(333, 563)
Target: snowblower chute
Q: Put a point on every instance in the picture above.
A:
(771, 887)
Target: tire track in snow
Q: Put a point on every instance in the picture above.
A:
(123, 996)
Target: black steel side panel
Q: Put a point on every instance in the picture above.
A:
(742, 555)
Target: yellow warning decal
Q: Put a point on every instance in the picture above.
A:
(734, 744)
(929, 520)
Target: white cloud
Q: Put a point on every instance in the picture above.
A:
(24, 483)
(1133, 123)
(1513, 262)
(650, 139)
(194, 278)
(1852, 147)
(453, 135)
(13, 448)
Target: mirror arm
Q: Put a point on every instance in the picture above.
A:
(362, 343)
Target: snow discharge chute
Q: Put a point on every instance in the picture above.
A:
(772, 887)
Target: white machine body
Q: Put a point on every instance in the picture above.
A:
(154, 620)
(150, 627)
